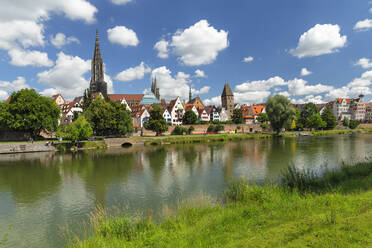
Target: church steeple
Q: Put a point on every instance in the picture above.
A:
(97, 82)
(190, 95)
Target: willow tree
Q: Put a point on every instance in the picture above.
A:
(279, 111)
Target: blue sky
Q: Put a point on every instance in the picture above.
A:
(306, 50)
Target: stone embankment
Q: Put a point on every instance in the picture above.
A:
(26, 147)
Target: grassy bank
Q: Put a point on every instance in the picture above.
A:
(253, 216)
(85, 145)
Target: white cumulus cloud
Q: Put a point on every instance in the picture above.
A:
(363, 25)
(121, 2)
(123, 36)
(29, 58)
(61, 40)
(173, 86)
(200, 74)
(248, 59)
(16, 85)
(298, 87)
(319, 40)
(67, 76)
(364, 63)
(213, 101)
(199, 44)
(305, 72)
(162, 48)
(133, 73)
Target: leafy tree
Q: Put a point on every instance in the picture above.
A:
(346, 122)
(264, 126)
(108, 118)
(215, 128)
(87, 99)
(29, 112)
(189, 118)
(329, 118)
(263, 118)
(316, 121)
(156, 123)
(279, 111)
(4, 115)
(237, 116)
(77, 131)
(354, 124)
(308, 111)
(178, 130)
(297, 119)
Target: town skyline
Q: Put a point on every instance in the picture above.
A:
(51, 51)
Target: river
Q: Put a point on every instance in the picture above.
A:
(46, 196)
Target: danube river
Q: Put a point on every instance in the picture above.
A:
(46, 196)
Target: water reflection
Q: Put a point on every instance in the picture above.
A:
(41, 192)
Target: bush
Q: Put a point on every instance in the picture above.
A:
(354, 124)
(215, 128)
(178, 130)
(190, 130)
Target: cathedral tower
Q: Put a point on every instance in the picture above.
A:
(97, 82)
(227, 99)
(155, 89)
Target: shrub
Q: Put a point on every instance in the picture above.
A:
(354, 124)
(190, 130)
(178, 130)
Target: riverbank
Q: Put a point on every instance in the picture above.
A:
(253, 216)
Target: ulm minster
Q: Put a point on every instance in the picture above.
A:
(193, 124)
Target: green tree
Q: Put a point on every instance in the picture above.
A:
(297, 119)
(354, 124)
(108, 118)
(178, 130)
(263, 118)
(156, 123)
(237, 116)
(346, 122)
(279, 111)
(316, 121)
(189, 118)
(308, 111)
(79, 130)
(29, 112)
(5, 116)
(190, 130)
(329, 118)
(87, 99)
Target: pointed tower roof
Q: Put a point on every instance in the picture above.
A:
(97, 50)
(227, 90)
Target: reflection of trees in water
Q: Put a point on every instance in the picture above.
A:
(99, 170)
(30, 180)
(157, 160)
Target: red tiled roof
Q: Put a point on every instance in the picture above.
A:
(248, 117)
(127, 97)
(257, 109)
(339, 100)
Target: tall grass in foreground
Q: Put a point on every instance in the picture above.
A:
(308, 181)
(258, 216)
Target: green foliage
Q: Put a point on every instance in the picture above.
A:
(109, 118)
(315, 121)
(179, 130)
(189, 118)
(79, 130)
(87, 99)
(263, 118)
(215, 128)
(237, 116)
(307, 112)
(156, 123)
(279, 112)
(27, 111)
(190, 130)
(329, 118)
(264, 126)
(346, 122)
(354, 124)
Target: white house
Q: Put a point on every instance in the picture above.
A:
(167, 116)
(203, 115)
(141, 118)
(223, 115)
(176, 110)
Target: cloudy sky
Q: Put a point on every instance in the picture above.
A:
(308, 50)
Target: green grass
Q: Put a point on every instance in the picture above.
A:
(258, 216)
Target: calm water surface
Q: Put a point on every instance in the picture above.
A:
(42, 194)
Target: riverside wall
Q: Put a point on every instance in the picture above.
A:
(201, 129)
(25, 147)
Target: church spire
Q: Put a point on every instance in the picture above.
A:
(97, 82)
(190, 95)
